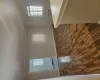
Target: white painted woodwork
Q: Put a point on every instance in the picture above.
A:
(75, 11)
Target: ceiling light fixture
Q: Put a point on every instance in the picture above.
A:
(35, 10)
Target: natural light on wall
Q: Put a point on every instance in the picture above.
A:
(54, 10)
(65, 59)
(44, 64)
(35, 10)
(38, 38)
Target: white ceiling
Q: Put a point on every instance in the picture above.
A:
(77, 11)
(39, 21)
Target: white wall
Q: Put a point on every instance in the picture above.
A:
(43, 75)
(40, 25)
(81, 11)
(40, 50)
(11, 42)
(77, 77)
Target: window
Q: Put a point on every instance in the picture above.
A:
(38, 62)
(44, 64)
(35, 10)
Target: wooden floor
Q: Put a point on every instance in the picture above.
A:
(82, 43)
